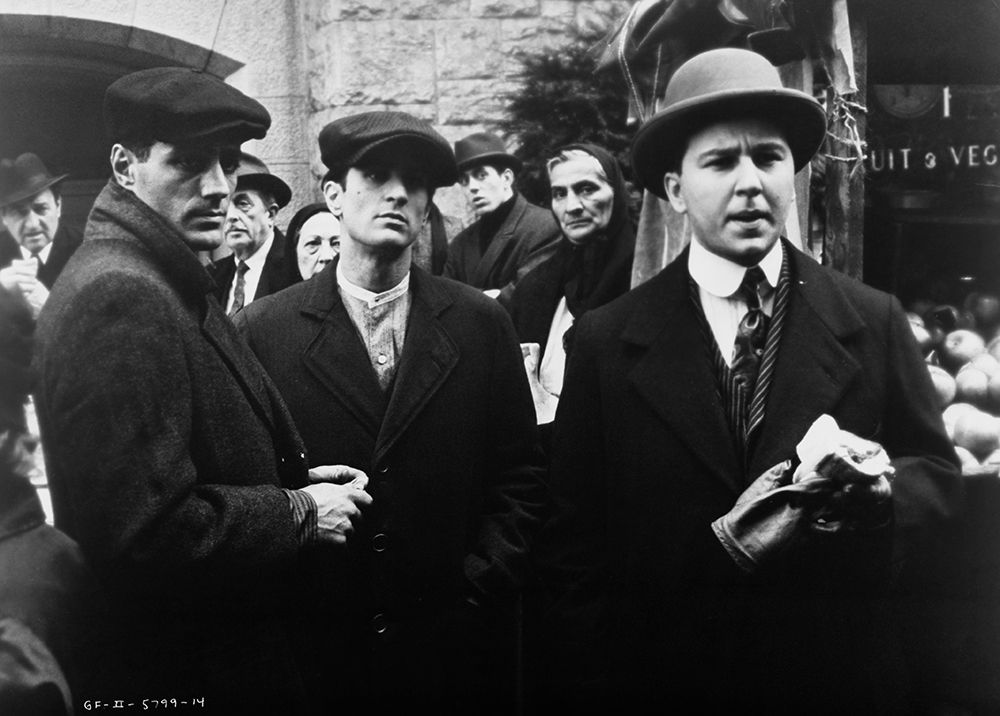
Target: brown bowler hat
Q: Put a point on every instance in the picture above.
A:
(718, 85)
(254, 174)
(484, 148)
(24, 177)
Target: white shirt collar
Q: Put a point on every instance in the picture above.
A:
(43, 254)
(257, 259)
(363, 294)
(722, 277)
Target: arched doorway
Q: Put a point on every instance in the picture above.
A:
(53, 74)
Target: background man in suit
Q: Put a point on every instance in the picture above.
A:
(693, 564)
(257, 265)
(34, 246)
(167, 447)
(419, 380)
(510, 236)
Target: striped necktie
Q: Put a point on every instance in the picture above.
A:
(238, 291)
(751, 335)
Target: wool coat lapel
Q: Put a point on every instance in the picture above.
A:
(674, 374)
(498, 245)
(337, 356)
(429, 356)
(813, 367)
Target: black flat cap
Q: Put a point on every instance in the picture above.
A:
(172, 104)
(344, 142)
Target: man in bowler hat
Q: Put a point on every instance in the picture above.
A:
(419, 381)
(172, 459)
(257, 265)
(703, 552)
(34, 246)
(509, 236)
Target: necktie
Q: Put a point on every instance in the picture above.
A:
(752, 332)
(241, 270)
(37, 256)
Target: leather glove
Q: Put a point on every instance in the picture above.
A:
(860, 470)
(770, 516)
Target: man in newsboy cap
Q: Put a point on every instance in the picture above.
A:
(35, 245)
(171, 457)
(510, 236)
(708, 551)
(420, 380)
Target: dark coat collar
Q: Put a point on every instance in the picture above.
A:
(813, 368)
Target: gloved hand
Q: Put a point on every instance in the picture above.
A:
(860, 470)
(771, 515)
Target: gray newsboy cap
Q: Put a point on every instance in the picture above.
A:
(343, 143)
(172, 104)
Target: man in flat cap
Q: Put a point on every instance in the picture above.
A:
(168, 449)
(257, 265)
(34, 246)
(418, 380)
(509, 236)
(744, 444)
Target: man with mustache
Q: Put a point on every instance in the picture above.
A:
(257, 265)
(703, 552)
(509, 236)
(35, 245)
(418, 380)
(171, 457)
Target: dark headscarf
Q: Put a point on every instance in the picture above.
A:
(600, 270)
(292, 237)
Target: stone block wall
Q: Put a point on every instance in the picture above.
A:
(450, 62)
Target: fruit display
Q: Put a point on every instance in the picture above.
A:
(962, 348)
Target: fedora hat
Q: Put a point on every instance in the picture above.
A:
(254, 174)
(24, 177)
(484, 148)
(720, 85)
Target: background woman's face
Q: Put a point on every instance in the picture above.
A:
(319, 242)
(582, 199)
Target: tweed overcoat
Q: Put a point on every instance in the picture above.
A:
(647, 604)
(452, 456)
(166, 447)
(528, 235)
(64, 243)
(276, 274)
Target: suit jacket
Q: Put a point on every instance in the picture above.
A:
(528, 236)
(646, 599)
(66, 241)
(166, 447)
(454, 470)
(275, 275)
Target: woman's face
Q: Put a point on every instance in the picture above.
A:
(582, 199)
(319, 242)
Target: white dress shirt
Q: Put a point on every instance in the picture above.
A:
(251, 279)
(719, 281)
(43, 255)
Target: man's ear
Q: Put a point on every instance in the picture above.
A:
(672, 186)
(334, 195)
(122, 166)
(508, 176)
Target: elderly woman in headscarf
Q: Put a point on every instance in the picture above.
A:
(592, 265)
(313, 238)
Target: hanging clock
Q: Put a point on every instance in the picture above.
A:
(907, 101)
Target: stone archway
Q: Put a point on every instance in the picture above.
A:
(54, 70)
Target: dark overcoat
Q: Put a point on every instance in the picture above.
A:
(648, 605)
(527, 236)
(64, 243)
(454, 470)
(166, 447)
(276, 274)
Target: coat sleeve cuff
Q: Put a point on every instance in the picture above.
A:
(304, 512)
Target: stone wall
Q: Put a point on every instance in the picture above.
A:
(448, 61)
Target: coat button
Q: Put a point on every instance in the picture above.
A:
(379, 624)
(384, 470)
(379, 542)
